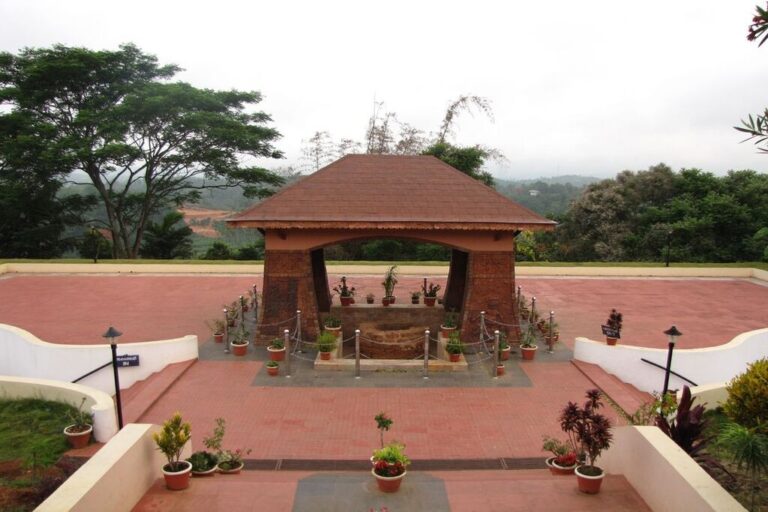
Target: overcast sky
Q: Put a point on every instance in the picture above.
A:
(577, 87)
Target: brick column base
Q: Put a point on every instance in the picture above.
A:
(491, 288)
(288, 286)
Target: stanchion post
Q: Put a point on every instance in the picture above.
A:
(287, 343)
(226, 331)
(298, 329)
(496, 352)
(482, 325)
(242, 309)
(357, 353)
(551, 340)
(426, 354)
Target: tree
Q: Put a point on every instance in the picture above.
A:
(757, 126)
(218, 251)
(140, 141)
(33, 216)
(166, 241)
(468, 160)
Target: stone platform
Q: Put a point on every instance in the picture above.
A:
(391, 365)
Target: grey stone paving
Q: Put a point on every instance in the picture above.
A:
(358, 492)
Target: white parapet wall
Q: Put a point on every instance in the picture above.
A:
(24, 355)
(116, 477)
(666, 477)
(703, 366)
(98, 402)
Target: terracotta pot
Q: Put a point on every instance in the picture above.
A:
(557, 469)
(209, 472)
(499, 370)
(177, 480)
(528, 353)
(389, 483)
(333, 330)
(455, 358)
(505, 353)
(346, 301)
(276, 354)
(78, 439)
(589, 484)
(430, 301)
(414, 301)
(446, 331)
(273, 370)
(392, 299)
(325, 356)
(218, 338)
(369, 301)
(232, 471)
(611, 341)
(240, 350)
(385, 301)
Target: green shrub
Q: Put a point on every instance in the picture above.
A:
(747, 404)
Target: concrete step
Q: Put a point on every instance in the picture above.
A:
(141, 396)
(626, 396)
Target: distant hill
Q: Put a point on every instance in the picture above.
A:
(546, 196)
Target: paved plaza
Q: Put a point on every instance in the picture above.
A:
(313, 417)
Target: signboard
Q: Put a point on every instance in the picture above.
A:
(610, 332)
(128, 360)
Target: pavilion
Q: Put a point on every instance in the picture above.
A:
(362, 197)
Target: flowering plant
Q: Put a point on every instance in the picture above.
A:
(390, 460)
(342, 289)
(232, 459)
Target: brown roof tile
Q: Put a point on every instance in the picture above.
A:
(389, 192)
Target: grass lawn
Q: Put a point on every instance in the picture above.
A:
(31, 449)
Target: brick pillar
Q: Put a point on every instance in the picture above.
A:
(490, 288)
(288, 286)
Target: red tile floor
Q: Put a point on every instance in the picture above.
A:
(336, 423)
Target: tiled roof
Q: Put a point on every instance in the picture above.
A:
(389, 192)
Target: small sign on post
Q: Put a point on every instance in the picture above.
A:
(127, 360)
(610, 332)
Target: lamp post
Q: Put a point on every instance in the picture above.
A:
(672, 335)
(111, 334)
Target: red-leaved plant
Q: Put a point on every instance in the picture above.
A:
(383, 468)
(588, 430)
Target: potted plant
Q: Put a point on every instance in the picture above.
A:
(390, 280)
(528, 345)
(346, 294)
(563, 460)
(332, 324)
(450, 322)
(591, 434)
(613, 333)
(390, 466)
(454, 347)
(79, 431)
(231, 313)
(276, 350)
(370, 298)
(240, 342)
(415, 297)
(171, 440)
(430, 294)
(231, 461)
(326, 342)
(273, 368)
(217, 328)
(204, 462)
(504, 348)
